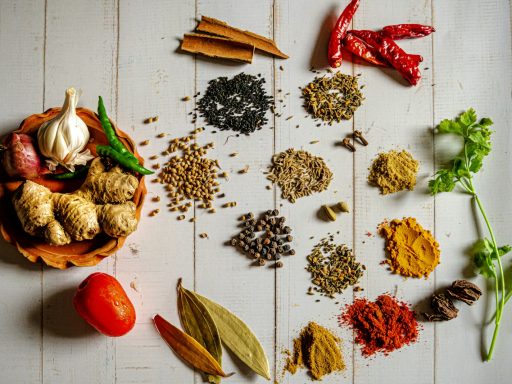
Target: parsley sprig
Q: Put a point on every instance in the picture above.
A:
(460, 171)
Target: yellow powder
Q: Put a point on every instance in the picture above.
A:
(393, 171)
(318, 350)
(412, 250)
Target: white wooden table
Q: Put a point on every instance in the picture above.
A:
(126, 51)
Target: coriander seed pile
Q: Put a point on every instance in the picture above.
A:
(333, 267)
(264, 239)
(299, 174)
(333, 98)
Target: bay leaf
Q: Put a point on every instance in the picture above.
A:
(237, 337)
(198, 323)
(187, 348)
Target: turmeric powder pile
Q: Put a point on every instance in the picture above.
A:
(318, 350)
(412, 250)
(393, 172)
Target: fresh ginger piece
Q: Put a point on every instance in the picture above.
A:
(34, 207)
(55, 234)
(77, 215)
(117, 220)
(108, 187)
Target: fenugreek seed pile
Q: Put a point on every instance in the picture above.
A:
(190, 175)
(299, 174)
(333, 268)
(332, 98)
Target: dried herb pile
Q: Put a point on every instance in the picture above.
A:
(332, 98)
(299, 174)
(383, 325)
(333, 268)
(393, 172)
(316, 349)
(190, 175)
(265, 238)
(239, 104)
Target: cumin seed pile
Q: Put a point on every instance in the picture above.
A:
(299, 174)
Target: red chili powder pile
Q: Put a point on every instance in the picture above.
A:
(381, 326)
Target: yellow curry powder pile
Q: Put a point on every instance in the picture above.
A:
(412, 250)
(393, 172)
(318, 350)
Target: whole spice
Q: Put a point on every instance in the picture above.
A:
(347, 144)
(400, 60)
(465, 291)
(316, 349)
(237, 336)
(334, 51)
(62, 140)
(361, 49)
(442, 307)
(442, 303)
(343, 207)
(407, 31)
(214, 46)
(299, 174)
(381, 326)
(333, 267)
(359, 136)
(393, 172)
(412, 250)
(332, 98)
(488, 255)
(239, 104)
(187, 348)
(20, 158)
(329, 212)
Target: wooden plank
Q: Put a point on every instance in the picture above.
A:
(481, 80)
(21, 76)
(152, 81)
(295, 308)
(394, 116)
(81, 50)
(222, 273)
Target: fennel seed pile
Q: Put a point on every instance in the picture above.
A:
(332, 98)
(299, 174)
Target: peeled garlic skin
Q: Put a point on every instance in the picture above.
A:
(20, 159)
(62, 138)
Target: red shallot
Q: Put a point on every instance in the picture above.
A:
(20, 158)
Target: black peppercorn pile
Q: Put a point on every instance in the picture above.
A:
(239, 104)
(265, 239)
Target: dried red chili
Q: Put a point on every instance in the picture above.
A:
(361, 49)
(334, 53)
(381, 326)
(400, 60)
(407, 31)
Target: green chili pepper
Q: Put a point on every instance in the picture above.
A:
(71, 175)
(125, 161)
(113, 140)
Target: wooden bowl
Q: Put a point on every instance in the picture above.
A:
(84, 253)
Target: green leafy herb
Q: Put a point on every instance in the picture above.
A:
(477, 145)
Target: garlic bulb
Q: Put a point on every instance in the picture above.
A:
(63, 138)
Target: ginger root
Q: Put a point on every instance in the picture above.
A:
(101, 204)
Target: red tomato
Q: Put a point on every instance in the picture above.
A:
(103, 303)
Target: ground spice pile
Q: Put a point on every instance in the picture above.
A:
(381, 326)
(393, 172)
(239, 104)
(299, 174)
(332, 98)
(190, 175)
(333, 268)
(316, 349)
(412, 250)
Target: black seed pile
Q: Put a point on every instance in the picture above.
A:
(239, 104)
(264, 239)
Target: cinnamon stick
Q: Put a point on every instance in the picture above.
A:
(214, 46)
(220, 28)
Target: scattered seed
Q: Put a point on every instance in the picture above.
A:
(145, 142)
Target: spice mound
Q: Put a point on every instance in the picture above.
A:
(239, 104)
(333, 268)
(299, 174)
(271, 244)
(381, 326)
(332, 98)
(316, 349)
(393, 172)
(412, 250)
